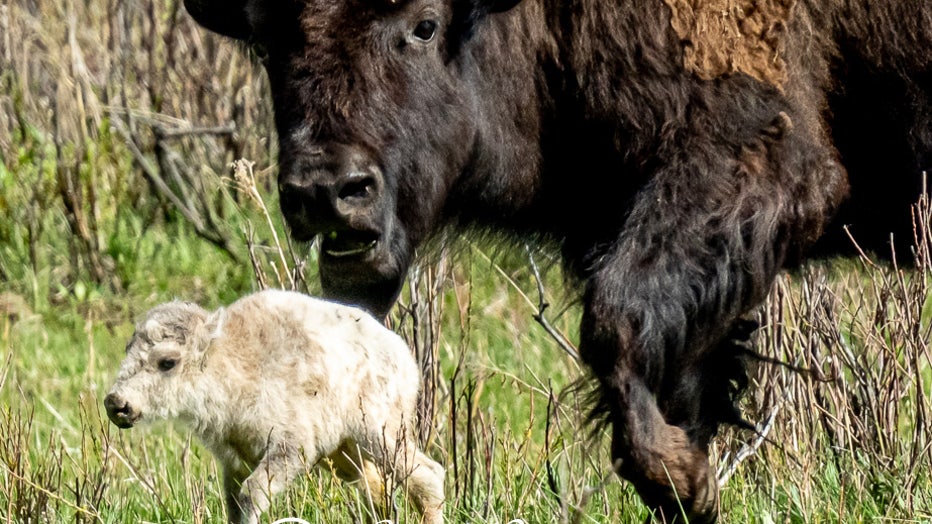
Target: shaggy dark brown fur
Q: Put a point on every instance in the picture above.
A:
(680, 153)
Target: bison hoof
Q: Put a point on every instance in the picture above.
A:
(681, 487)
(699, 508)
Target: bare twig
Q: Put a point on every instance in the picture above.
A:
(750, 449)
(183, 132)
(204, 227)
(862, 255)
(542, 306)
(53, 495)
(245, 180)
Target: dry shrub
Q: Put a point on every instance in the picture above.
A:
(108, 106)
(859, 398)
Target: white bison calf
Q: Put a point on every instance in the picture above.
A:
(274, 383)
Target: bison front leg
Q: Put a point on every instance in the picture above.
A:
(700, 248)
(654, 445)
(668, 468)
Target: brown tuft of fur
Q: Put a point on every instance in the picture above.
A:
(733, 36)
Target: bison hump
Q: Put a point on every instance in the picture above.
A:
(733, 36)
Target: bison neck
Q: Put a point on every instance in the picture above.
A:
(562, 142)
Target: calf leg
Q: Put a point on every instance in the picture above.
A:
(233, 478)
(355, 466)
(419, 475)
(425, 486)
(235, 471)
(282, 463)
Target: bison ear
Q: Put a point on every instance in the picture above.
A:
(498, 6)
(227, 17)
(468, 14)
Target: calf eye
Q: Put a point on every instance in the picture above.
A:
(167, 364)
(425, 30)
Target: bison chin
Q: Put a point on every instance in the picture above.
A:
(338, 192)
(364, 269)
(363, 266)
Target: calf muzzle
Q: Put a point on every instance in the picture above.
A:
(120, 411)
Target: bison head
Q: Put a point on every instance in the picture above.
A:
(373, 124)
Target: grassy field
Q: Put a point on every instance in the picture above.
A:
(119, 122)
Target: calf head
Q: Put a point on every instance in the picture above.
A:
(374, 123)
(163, 358)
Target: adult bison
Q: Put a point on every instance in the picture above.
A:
(679, 153)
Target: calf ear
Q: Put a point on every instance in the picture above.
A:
(209, 330)
(227, 17)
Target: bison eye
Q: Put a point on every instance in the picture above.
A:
(425, 30)
(167, 364)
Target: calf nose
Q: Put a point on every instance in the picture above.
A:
(119, 411)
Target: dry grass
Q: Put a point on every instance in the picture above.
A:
(855, 411)
(109, 105)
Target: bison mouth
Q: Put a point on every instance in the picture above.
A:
(365, 266)
(348, 243)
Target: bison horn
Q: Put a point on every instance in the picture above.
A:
(227, 17)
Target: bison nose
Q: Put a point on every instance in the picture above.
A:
(342, 193)
(355, 190)
(328, 191)
(119, 411)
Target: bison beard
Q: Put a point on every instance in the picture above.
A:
(679, 155)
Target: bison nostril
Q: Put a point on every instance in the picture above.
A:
(357, 187)
(296, 190)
